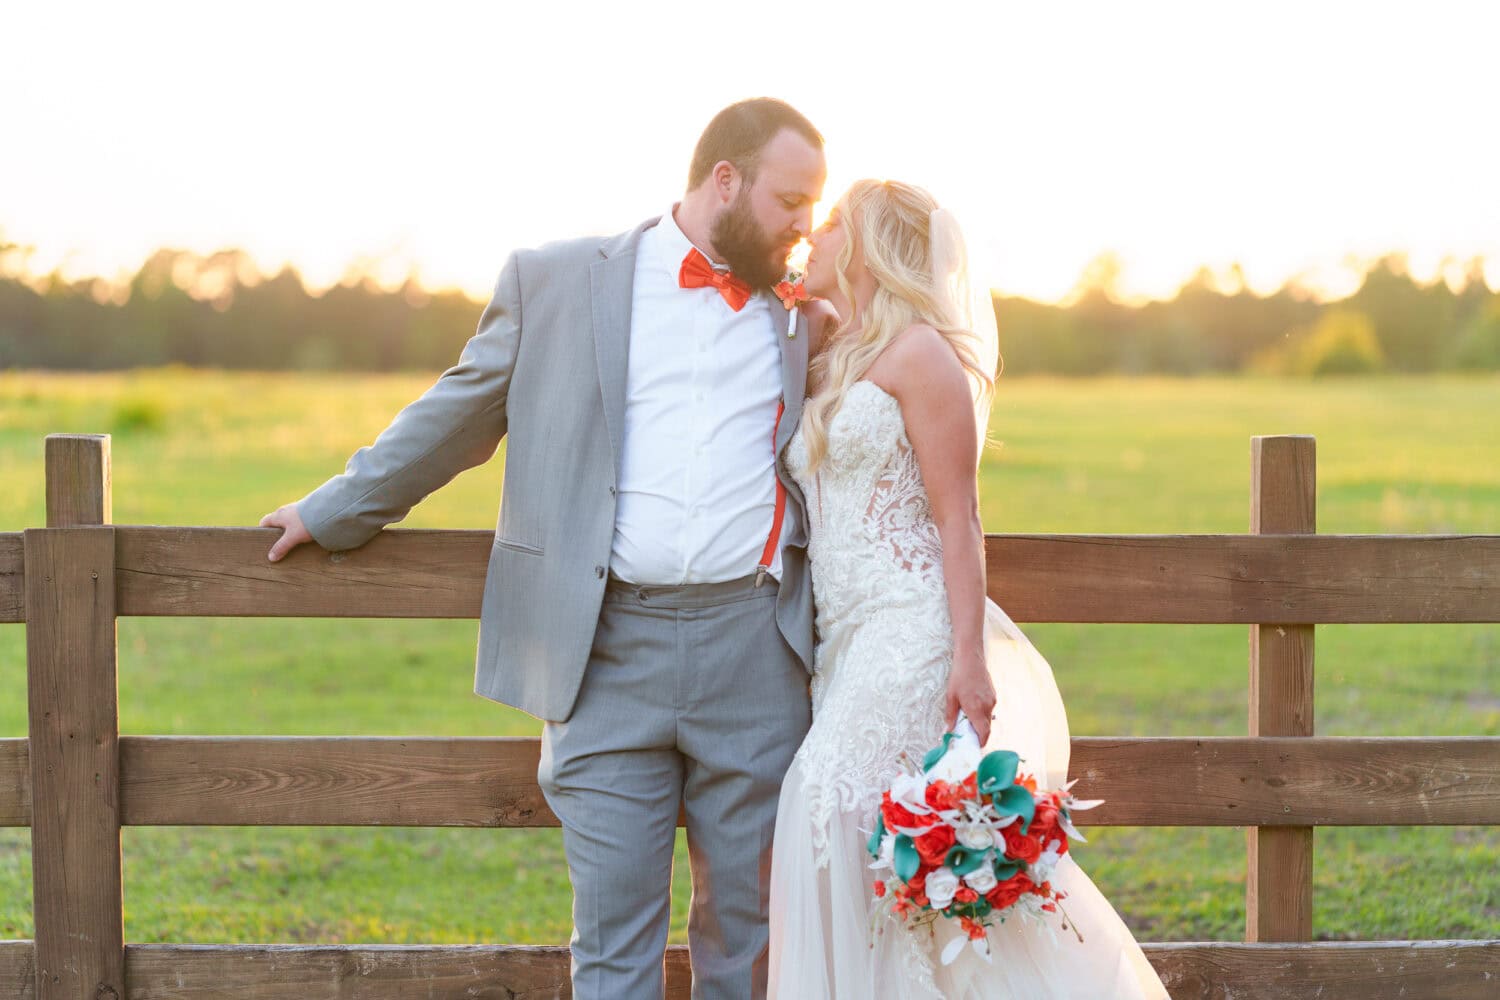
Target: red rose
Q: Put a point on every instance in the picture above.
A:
(933, 845)
(965, 895)
(1020, 846)
(1009, 891)
(1047, 825)
(942, 795)
(895, 815)
(879, 888)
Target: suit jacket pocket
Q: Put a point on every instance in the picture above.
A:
(524, 547)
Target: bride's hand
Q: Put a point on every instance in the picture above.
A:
(970, 689)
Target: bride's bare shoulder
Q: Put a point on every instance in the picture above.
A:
(919, 360)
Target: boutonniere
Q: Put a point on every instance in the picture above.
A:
(792, 293)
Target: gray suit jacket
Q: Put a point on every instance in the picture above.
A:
(547, 366)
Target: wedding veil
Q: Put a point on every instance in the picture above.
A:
(1029, 715)
(970, 302)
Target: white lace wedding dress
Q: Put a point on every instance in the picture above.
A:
(884, 648)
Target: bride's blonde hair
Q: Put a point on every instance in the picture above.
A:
(891, 223)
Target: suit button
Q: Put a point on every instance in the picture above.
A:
(599, 572)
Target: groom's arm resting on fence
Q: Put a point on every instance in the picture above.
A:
(455, 425)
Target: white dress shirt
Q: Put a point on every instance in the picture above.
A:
(697, 489)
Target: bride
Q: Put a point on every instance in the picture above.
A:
(887, 455)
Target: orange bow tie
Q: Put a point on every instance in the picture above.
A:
(696, 272)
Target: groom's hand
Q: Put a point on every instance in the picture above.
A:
(293, 534)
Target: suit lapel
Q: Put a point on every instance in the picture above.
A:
(793, 380)
(793, 367)
(611, 282)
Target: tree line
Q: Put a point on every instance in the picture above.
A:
(218, 311)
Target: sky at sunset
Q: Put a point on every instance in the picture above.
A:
(1293, 138)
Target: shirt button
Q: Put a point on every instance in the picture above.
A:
(611, 491)
(599, 572)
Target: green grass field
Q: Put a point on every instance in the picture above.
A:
(1395, 455)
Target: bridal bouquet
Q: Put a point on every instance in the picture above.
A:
(971, 839)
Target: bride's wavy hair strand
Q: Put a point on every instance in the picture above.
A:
(890, 223)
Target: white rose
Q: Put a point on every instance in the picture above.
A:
(941, 885)
(975, 836)
(957, 764)
(981, 879)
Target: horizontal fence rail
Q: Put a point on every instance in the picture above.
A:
(1182, 579)
(1345, 970)
(491, 782)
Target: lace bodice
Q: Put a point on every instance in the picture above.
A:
(884, 638)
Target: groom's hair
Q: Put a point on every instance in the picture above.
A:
(741, 131)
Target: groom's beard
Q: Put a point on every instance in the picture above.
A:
(755, 257)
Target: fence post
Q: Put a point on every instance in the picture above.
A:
(74, 728)
(1278, 878)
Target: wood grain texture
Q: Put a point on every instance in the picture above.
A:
(17, 970)
(1344, 970)
(1278, 879)
(74, 751)
(356, 781)
(1381, 970)
(1245, 579)
(15, 782)
(12, 577)
(1193, 579)
(440, 781)
(405, 573)
(78, 480)
(1238, 579)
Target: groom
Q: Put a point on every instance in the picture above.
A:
(647, 593)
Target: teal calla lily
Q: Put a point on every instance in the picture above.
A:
(963, 860)
(996, 770)
(936, 753)
(1016, 801)
(875, 838)
(906, 859)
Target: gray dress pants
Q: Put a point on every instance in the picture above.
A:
(691, 699)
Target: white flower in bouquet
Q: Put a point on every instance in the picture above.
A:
(981, 879)
(909, 791)
(1042, 868)
(958, 763)
(975, 836)
(941, 885)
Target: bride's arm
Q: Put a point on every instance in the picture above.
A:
(922, 372)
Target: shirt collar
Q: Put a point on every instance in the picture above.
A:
(672, 245)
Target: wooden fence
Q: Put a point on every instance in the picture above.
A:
(76, 781)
